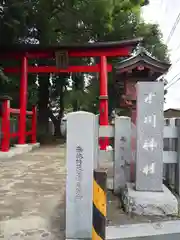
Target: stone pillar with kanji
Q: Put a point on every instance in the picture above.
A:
(149, 138)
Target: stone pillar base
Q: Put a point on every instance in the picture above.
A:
(149, 203)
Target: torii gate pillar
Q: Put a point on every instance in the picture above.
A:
(103, 98)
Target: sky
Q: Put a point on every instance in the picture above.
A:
(165, 13)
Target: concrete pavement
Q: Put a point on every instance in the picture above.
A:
(32, 187)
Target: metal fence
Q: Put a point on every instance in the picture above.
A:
(171, 152)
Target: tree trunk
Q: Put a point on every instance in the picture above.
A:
(61, 103)
(57, 120)
(57, 129)
(43, 116)
(57, 124)
(76, 106)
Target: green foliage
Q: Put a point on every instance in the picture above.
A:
(71, 21)
(153, 40)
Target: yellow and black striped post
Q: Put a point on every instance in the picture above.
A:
(99, 204)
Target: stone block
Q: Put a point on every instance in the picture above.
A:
(149, 203)
(80, 153)
(19, 149)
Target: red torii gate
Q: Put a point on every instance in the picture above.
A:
(35, 51)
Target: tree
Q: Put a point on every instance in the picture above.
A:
(128, 24)
(14, 29)
(153, 40)
(57, 100)
(66, 21)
